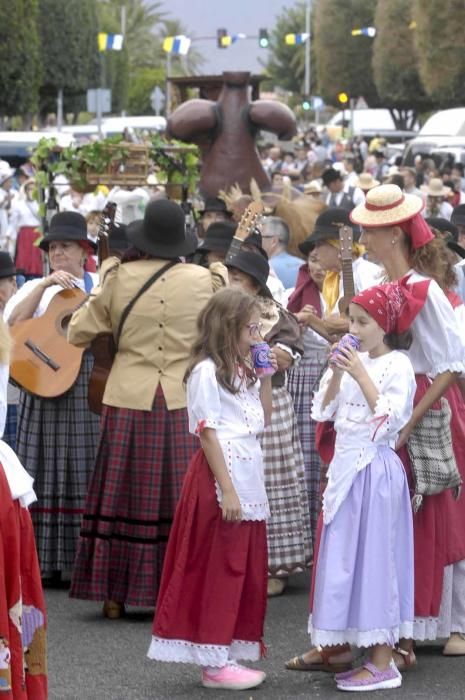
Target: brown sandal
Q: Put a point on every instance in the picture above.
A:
(407, 660)
(298, 663)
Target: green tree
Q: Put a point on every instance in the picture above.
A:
(286, 64)
(140, 89)
(440, 47)
(395, 64)
(343, 61)
(20, 61)
(68, 33)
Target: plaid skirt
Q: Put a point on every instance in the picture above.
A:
(57, 442)
(288, 528)
(141, 463)
(11, 426)
(302, 382)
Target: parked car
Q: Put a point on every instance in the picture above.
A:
(426, 145)
(16, 146)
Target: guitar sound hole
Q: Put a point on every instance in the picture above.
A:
(64, 323)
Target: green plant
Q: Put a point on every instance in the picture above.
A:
(176, 162)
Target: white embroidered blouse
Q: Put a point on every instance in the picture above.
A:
(359, 431)
(238, 420)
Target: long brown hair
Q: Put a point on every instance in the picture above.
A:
(219, 326)
(433, 260)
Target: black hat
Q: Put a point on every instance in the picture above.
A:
(331, 175)
(254, 265)
(458, 215)
(162, 232)
(7, 266)
(444, 226)
(214, 204)
(218, 237)
(327, 226)
(255, 239)
(66, 226)
(117, 237)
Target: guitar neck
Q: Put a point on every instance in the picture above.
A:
(348, 279)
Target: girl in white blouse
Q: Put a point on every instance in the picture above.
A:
(363, 585)
(212, 597)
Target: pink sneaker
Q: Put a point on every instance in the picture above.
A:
(232, 677)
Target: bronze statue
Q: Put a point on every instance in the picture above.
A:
(226, 130)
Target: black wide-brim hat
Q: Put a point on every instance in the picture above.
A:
(327, 227)
(252, 264)
(214, 204)
(443, 225)
(162, 232)
(117, 237)
(7, 266)
(67, 226)
(218, 237)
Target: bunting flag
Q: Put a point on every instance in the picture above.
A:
(179, 45)
(110, 42)
(364, 31)
(293, 39)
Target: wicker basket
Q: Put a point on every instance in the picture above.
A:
(130, 172)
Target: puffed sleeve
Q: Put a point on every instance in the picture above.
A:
(437, 329)
(319, 413)
(203, 398)
(394, 407)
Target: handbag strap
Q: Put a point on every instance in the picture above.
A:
(141, 291)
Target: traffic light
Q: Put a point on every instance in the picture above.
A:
(343, 98)
(263, 38)
(306, 104)
(221, 36)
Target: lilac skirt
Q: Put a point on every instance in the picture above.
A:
(363, 586)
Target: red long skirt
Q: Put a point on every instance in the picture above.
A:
(213, 592)
(23, 651)
(29, 256)
(439, 525)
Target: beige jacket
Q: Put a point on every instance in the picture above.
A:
(158, 333)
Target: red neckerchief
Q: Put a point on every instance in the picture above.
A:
(305, 292)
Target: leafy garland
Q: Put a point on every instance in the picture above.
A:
(174, 161)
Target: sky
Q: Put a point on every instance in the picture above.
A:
(204, 17)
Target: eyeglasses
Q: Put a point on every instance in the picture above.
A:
(254, 328)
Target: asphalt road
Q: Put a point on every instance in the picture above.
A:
(91, 658)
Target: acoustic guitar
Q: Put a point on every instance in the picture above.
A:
(346, 238)
(245, 227)
(43, 362)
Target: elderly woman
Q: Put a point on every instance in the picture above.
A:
(57, 438)
(145, 445)
(288, 529)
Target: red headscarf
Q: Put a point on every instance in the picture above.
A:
(394, 306)
(417, 230)
(305, 292)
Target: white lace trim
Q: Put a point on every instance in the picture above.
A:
(447, 367)
(425, 628)
(215, 655)
(250, 511)
(359, 638)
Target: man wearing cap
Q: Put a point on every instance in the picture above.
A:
(339, 195)
(325, 239)
(145, 445)
(57, 438)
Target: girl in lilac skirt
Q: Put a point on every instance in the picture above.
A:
(363, 583)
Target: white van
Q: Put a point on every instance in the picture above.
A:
(116, 125)
(366, 122)
(16, 146)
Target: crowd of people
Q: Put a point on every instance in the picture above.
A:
(206, 483)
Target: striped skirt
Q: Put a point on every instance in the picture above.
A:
(288, 528)
(57, 442)
(141, 463)
(302, 382)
